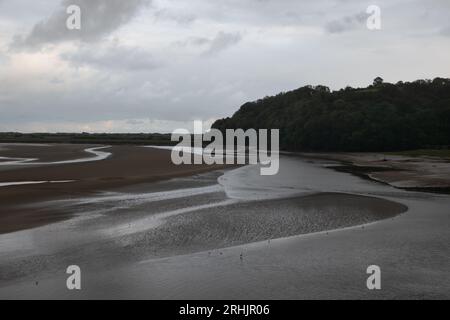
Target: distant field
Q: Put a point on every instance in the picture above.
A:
(149, 139)
(87, 138)
(441, 153)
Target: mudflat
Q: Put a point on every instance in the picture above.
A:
(415, 173)
(44, 152)
(307, 232)
(127, 165)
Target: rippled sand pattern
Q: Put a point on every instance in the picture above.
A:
(253, 221)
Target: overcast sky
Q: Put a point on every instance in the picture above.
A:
(157, 65)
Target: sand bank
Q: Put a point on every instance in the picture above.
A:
(183, 238)
(421, 173)
(127, 165)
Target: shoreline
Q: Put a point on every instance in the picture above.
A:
(323, 265)
(126, 166)
(254, 249)
(174, 219)
(246, 222)
(401, 172)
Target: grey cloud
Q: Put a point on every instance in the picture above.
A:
(222, 41)
(211, 46)
(445, 31)
(198, 41)
(135, 121)
(56, 80)
(3, 57)
(181, 18)
(347, 23)
(113, 57)
(98, 18)
(287, 35)
(193, 41)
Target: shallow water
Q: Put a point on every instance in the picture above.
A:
(185, 215)
(98, 155)
(7, 184)
(297, 177)
(113, 232)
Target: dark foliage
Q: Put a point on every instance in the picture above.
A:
(381, 117)
(88, 138)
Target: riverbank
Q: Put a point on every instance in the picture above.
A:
(190, 238)
(416, 172)
(127, 165)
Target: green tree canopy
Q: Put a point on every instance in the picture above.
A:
(379, 117)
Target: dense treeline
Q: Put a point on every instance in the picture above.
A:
(381, 117)
(88, 138)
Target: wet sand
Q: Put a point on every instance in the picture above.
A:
(420, 173)
(309, 232)
(238, 223)
(44, 152)
(171, 218)
(127, 165)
